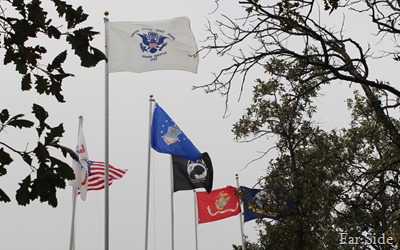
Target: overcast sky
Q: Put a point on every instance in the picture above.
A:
(199, 115)
(39, 226)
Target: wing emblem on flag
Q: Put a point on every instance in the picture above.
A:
(220, 203)
(152, 42)
(172, 134)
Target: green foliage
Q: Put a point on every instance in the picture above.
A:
(371, 203)
(340, 181)
(344, 180)
(51, 173)
(33, 23)
(249, 246)
(306, 165)
(25, 26)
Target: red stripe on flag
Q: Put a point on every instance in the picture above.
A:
(96, 179)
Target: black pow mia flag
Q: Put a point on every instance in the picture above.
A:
(189, 175)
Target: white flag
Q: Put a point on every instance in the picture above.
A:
(81, 167)
(153, 45)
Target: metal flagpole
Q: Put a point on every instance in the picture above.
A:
(151, 100)
(72, 237)
(196, 221)
(106, 141)
(241, 219)
(74, 192)
(172, 206)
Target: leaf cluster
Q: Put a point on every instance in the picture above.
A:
(25, 27)
(32, 23)
(50, 173)
(339, 181)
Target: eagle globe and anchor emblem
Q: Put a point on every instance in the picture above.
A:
(152, 42)
(220, 205)
(222, 201)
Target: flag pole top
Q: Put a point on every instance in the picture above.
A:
(106, 13)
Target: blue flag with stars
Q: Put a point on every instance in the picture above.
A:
(167, 137)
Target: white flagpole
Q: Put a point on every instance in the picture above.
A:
(106, 142)
(172, 206)
(74, 192)
(196, 220)
(72, 236)
(241, 219)
(151, 100)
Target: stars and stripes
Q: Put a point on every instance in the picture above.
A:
(96, 175)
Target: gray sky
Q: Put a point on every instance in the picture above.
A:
(200, 116)
(39, 226)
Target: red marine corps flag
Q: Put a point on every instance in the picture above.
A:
(218, 204)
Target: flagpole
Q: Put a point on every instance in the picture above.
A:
(151, 100)
(72, 236)
(196, 223)
(241, 219)
(172, 206)
(106, 141)
(74, 191)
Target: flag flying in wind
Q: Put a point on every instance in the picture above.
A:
(167, 137)
(218, 204)
(81, 167)
(152, 45)
(189, 175)
(96, 176)
(259, 203)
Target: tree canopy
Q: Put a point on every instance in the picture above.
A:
(343, 182)
(23, 28)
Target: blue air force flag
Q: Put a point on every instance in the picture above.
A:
(167, 137)
(152, 45)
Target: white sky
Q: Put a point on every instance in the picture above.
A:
(39, 226)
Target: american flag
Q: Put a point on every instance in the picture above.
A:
(96, 175)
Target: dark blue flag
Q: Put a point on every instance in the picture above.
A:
(258, 203)
(167, 137)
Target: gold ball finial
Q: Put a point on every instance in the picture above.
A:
(106, 13)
